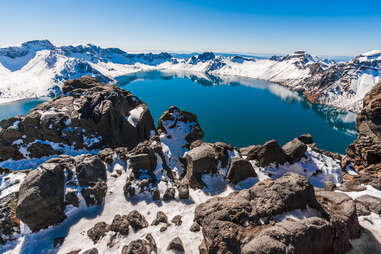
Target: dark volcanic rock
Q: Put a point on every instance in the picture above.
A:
(295, 149)
(365, 151)
(177, 220)
(176, 244)
(120, 224)
(41, 196)
(81, 119)
(138, 247)
(169, 194)
(9, 224)
(136, 220)
(245, 221)
(160, 218)
(91, 251)
(183, 191)
(98, 231)
(373, 204)
(306, 139)
(175, 117)
(240, 169)
(266, 154)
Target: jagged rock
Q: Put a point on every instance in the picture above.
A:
(266, 154)
(89, 170)
(175, 117)
(176, 244)
(163, 228)
(160, 218)
(95, 195)
(306, 139)
(152, 242)
(295, 149)
(373, 204)
(169, 194)
(74, 251)
(71, 198)
(120, 224)
(312, 235)
(341, 210)
(240, 169)
(365, 151)
(177, 220)
(41, 196)
(183, 191)
(155, 194)
(58, 241)
(234, 224)
(195, 227)
(81, 119)
(9, 224)
(98, 231)
(91, 251)
(138, 247)
(136, 220)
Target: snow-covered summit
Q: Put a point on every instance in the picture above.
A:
(38, 68)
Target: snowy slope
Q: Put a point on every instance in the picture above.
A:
(38, 68)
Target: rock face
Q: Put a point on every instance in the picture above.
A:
(80, 119)
(41, 200)
(250, 221)
(295, 149)
(365, 151)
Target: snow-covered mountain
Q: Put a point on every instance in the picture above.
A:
(38, 68)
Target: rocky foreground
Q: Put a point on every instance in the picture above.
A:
(88, 172)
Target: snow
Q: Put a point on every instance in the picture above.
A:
(370, 190)
(135, 115)
(316, 167)
(39, 69)
(10, 182)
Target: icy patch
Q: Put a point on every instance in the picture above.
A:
(135, 115)
(298, 214)
(10, 182)
(370, 190)
(317, 167)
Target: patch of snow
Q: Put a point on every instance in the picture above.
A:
(135, 115)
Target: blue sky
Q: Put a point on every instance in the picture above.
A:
(273, 26)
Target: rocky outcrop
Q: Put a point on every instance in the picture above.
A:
(175, 122)
(250, 221)
(365, 151)
(42, 194)
(295, 149)
(80, 119)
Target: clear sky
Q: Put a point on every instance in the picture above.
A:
(333, 27)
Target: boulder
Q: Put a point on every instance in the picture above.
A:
(160, 218)
(183, 190)
(136, 220)
(91, 251)
(177, 220)
(306, 139)
(176, 244)
(295, 149)
(98, 231)
(120, 224)
(41, 196)
(42, 199)
(169, 194)
(240, 169)
(200, 160)
(266, 154)
(139, 246)
(81, 118)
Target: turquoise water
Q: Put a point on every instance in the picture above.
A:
(18, 107)
(243, 111)
(238, 111)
